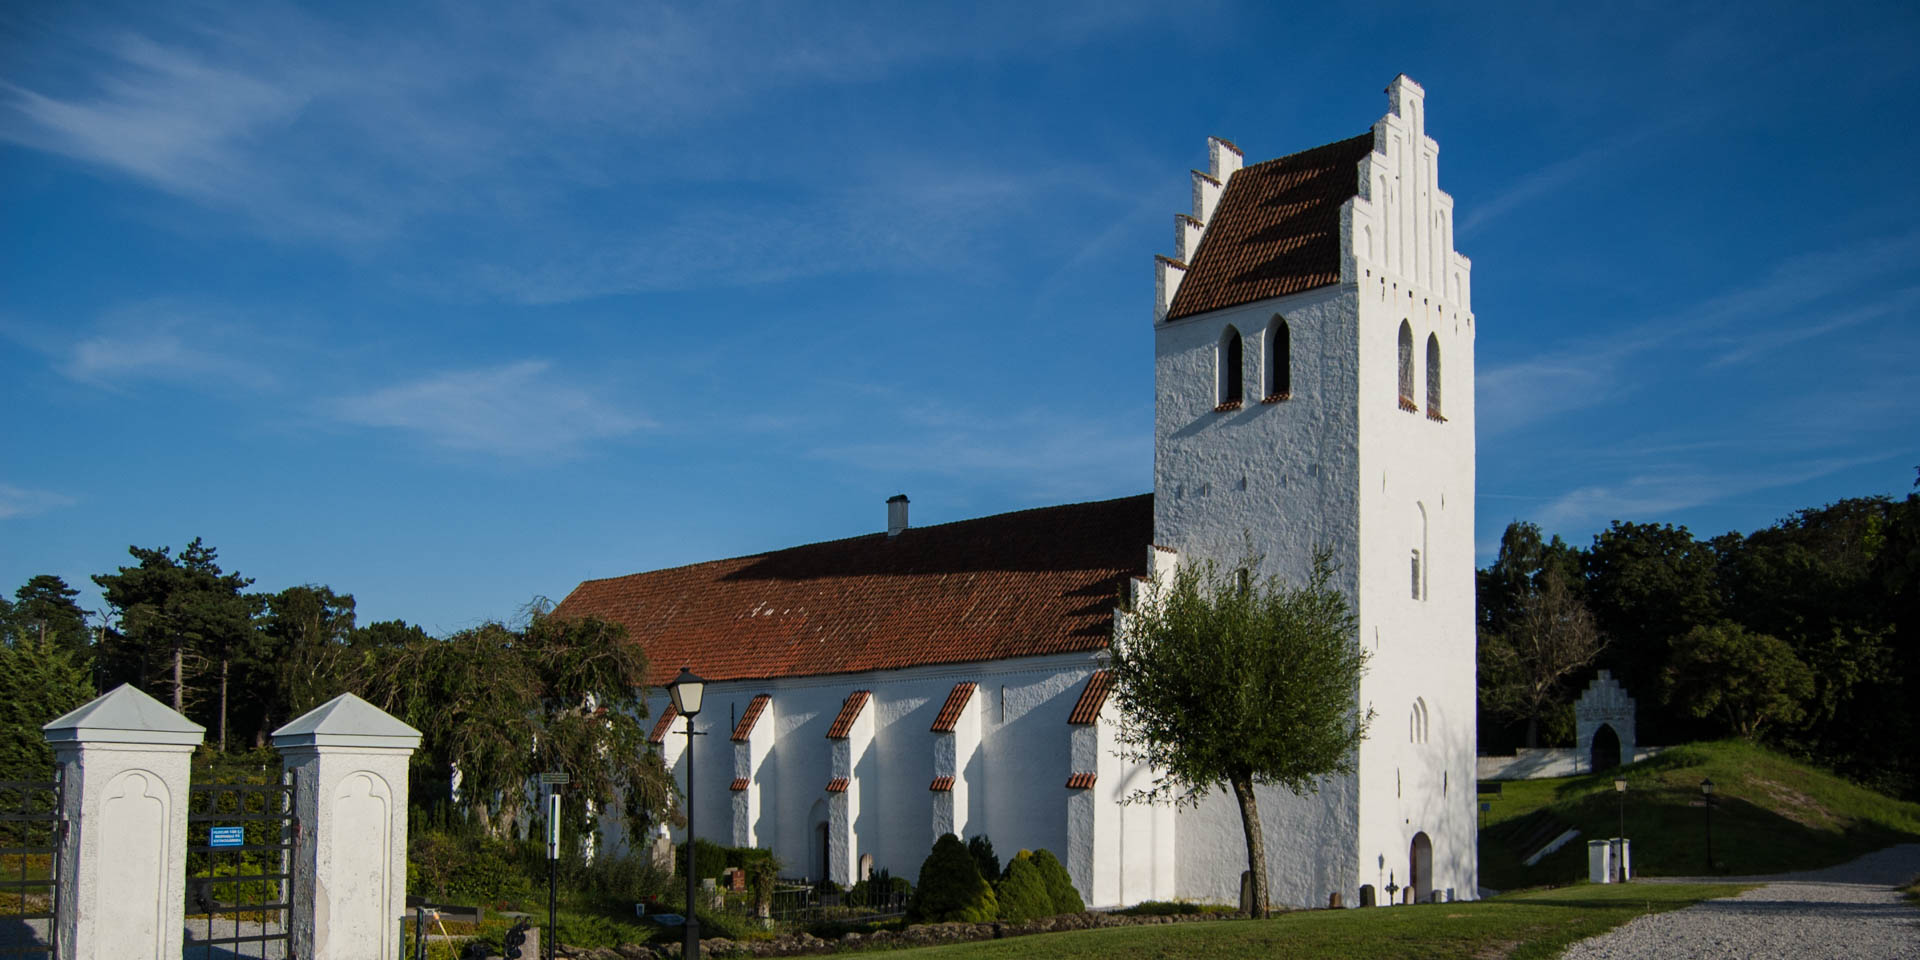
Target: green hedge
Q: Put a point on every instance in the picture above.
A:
(1022, 894)
(1060, 889)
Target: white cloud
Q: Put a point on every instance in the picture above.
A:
(21, 502)
(520, 410)
(165, 342)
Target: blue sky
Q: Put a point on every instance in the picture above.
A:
(459, 305)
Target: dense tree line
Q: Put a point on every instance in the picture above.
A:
(495, 704)
(1803, 634)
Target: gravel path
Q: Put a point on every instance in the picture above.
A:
(1849, 912)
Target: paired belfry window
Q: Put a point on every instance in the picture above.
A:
(1407, 401)
(1276, 366)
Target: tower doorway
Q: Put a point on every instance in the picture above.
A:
(1420, 868)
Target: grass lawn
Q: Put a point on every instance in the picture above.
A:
(1771, 814)
(1532, 924)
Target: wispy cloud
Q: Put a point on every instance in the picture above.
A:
(520, 410)
(1655, 494)
(1046, 455)
(22, 502)
(1554, 177)
(1785, 305)
(165, 342)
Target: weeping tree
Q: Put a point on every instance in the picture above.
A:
(1226, 679)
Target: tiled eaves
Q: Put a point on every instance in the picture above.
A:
(837, 785)
(949, 717)
(738, 784)
(665, 723)
(1081, 781)
(750, 716)
(941, 785)
(849, 713)
(1092, 697)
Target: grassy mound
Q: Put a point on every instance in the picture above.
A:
(1771, 814)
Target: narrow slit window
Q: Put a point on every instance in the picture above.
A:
(1232, 391)
(1416, 574)
(1433, 377)
(1406, 366)
(1279, 361)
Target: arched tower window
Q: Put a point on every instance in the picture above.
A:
(1406, 366)
(1279, 361)
(1231, 373)
(1433, 376)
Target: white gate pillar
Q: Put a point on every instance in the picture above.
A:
(124, 761)
(349, 764)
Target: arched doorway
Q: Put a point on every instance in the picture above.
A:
(1420, 868)
(1606, 749)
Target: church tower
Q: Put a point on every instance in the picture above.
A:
(1313, 376)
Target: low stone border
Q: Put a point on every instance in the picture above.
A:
(915, 935)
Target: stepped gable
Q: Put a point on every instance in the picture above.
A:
(1275, 230)
(1019, 584)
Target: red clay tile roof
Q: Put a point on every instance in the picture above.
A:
(667, 716)
(849, 712)
(1013, 585)
(950, 711)
(1080, 781)
(1275, 231)
(750, 716)
(738, 784)
(1092, 698)
(837, 785)
(941, 785)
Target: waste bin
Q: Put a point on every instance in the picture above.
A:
(1622, 859)
(1599, 861)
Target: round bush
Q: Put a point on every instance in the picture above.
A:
(1060, 889)
(950, 887)
(1023, 894)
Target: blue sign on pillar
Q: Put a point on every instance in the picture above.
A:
(226, 836)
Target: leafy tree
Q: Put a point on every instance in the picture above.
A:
(951, 887)
(180, 614)
(301, 653)
(497, 706)
(1648, 584)
(1524, 667)
(1222, 680)
(1747, 679)
(39, 680)
(44, 607)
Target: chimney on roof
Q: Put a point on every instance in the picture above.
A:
(896, 514)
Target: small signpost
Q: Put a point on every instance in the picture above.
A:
(226, 836)
(553, 782)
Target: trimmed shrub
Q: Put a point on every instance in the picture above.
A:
(950, 887)
(983, 856)
(1060, 889)
(1023, 894)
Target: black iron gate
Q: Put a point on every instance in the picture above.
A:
(240, 847)
(31, 830)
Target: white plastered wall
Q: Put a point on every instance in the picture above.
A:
(749, 755)
(1415, 493)
(1015, 770)
(1340, 467)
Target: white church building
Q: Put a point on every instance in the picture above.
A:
(1313, 375)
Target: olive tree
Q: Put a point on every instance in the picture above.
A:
(1222, 678)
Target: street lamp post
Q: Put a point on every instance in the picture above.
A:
(1706, 791)
(1620, 861)
(687, 690)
